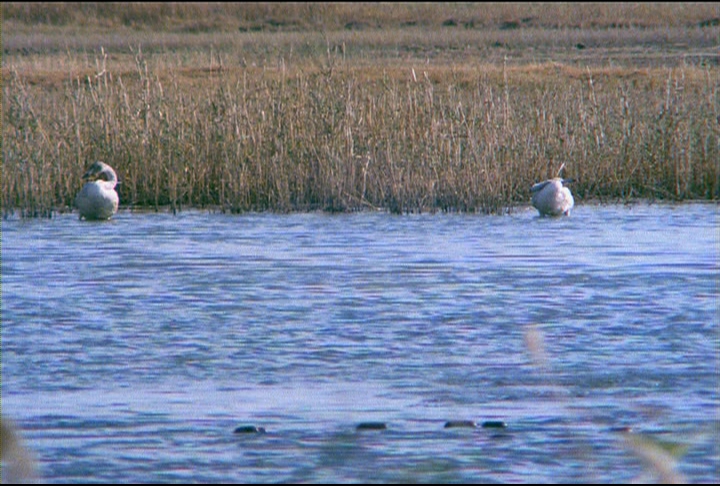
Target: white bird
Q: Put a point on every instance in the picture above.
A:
(98, 199)
(551, 198)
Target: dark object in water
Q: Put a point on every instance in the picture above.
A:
(371, 426)
(460, 423)
(249, 429)
(494, 424)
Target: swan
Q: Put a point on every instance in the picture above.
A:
(552, 198)
(98, 199)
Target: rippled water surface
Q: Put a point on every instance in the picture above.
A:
(132, 349)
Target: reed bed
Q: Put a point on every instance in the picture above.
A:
(325, 130)
(256, 16)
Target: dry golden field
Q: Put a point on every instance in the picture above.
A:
(340, 107)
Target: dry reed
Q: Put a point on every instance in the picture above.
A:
(325, 130)
(257, 16)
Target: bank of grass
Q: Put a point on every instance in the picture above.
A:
(304, 121)
(312, 16)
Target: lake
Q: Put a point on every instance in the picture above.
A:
(132, 349)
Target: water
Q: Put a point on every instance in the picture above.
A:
(132, 349)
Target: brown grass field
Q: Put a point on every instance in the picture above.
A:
(342, 107)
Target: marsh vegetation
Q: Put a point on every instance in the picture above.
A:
(296, 107)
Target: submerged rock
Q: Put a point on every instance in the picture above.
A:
(494, 424)
(460, 423)
(249, 429)
(371, 426)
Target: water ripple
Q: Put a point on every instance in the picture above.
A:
(132, 349)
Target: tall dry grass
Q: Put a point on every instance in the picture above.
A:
(205, 16)
(340, 138)
(448, 118)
